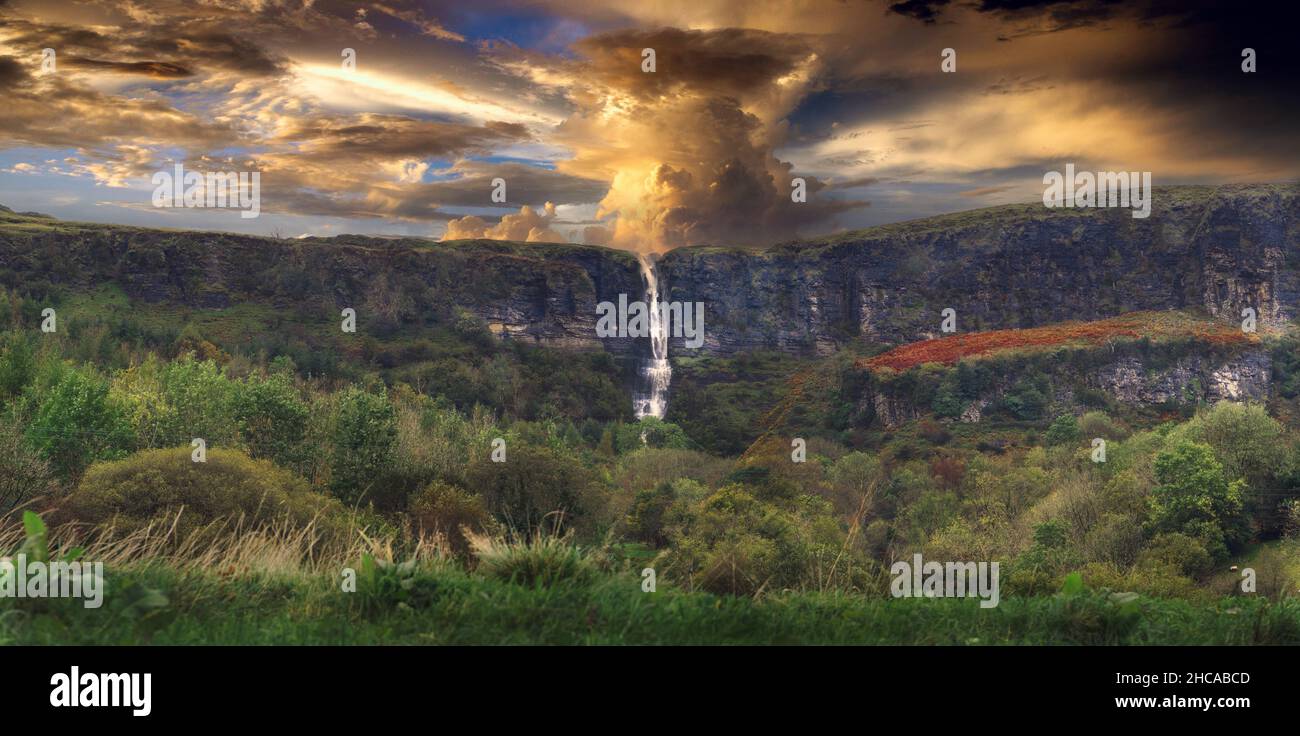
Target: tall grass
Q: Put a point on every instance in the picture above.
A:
(230, 546)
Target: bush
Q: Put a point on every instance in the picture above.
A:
(736, 543)
(543, 561)
(933, 432)
(1096, 424)
(1180, 551)
(1051, 534)
(24, 474)
(442, 508)
(1027, 399)
(533, 484)
(158, 484)
(649, 432)
(1064, 431)
(1117, 540)
(17, 363)
(645, 520)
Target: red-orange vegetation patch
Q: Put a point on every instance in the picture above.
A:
(1154, 325)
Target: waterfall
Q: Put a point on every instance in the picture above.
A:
(652, 398)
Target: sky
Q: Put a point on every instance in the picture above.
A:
(554, 99)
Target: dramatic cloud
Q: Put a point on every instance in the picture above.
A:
(551, 96)
(688, 149)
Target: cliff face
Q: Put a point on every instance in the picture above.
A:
(1215, 250)
(1197, 378)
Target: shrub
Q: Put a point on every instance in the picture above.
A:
(1291, 518)
(24, 474)
(542, 561)
(17, 363)
(1051, 534)
(933, 432)
(536, 487)
(736, 543)
(159, 484)
(442, 508)
(1180, 551)
(947, 399)
(1027, 399)
(649, 432)
(1097, 424)
(1117, 540)
(645, 520)
(1064, 431)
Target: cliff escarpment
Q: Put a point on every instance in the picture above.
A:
(1212, 250)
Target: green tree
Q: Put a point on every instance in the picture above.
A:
(77, 424)
(1245, 439)
(1064, 431)
(1195, 498)
(17, 363)
(365, 433)
(271, 418)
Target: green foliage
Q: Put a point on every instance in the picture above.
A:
(156, 485)
(364, 435)
(1027, 398)
(649, 432)
(948, 400)
(17, 363)
(1051, 534)
(536, 488)
(1179, 551)
(648, 514)
(77, 424)
(271, 418)
(1195, 498)
(444, 509)
(736, 543)
(542, 561)
(1246, 440)
(1097, 424)
(1063, 431)
(384, 585)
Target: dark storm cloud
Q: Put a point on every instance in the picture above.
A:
(387, 137)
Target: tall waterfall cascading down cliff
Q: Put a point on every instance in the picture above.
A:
(651, 399)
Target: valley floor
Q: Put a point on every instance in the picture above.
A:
(450, 606)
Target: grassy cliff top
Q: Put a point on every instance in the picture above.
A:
(1156, 326)
(1176, 196)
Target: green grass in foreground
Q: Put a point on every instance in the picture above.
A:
(442, 604)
